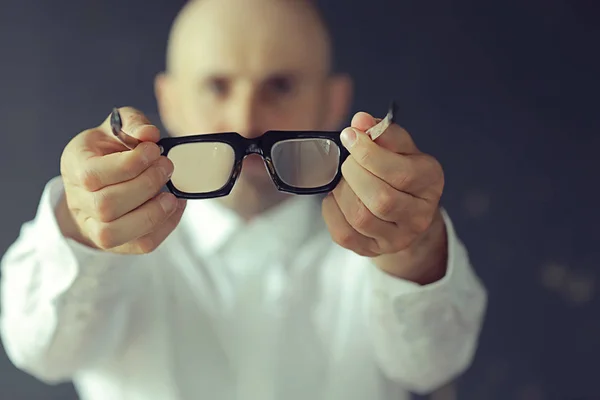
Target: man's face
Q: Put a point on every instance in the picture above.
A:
(249, 67)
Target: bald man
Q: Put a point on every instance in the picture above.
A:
(132, 293)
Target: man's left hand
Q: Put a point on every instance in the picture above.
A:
(387, 204)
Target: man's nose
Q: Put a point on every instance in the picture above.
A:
(245, 117)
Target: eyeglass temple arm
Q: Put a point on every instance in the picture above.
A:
(375, 131)
(116, 126)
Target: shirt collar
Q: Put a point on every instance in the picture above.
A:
(288, 223)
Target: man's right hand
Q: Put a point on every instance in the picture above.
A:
(112, 194)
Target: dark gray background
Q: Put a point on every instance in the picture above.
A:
(503, 93)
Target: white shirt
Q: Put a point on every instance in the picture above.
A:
(222, 310)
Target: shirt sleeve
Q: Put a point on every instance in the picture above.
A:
(425, 336)
(64, 305)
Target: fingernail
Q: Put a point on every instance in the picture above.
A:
(138, 128)
(149, 153)
(165, 169)
(348, 137)
(168, 203)
(165, 172)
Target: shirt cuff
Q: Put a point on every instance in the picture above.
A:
(67, 261)
(458, 280)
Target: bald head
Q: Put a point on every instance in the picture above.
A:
(291, 30)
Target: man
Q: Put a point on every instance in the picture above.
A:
(134, 294)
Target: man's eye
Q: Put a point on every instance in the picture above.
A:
(218, 86)
(280, 86)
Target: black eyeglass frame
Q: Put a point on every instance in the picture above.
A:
(261, 146)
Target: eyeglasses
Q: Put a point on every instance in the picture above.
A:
(208, 165)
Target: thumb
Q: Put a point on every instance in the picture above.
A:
(363, 121)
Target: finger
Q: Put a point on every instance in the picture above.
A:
(114, 201)
(342, 233)
(99, 142)
(152, 240)
(98, 172)
(413, 174)
(359, 216)
(140, 222)
(410, 215)
(135, 124)
(395, 138)
(383, 201)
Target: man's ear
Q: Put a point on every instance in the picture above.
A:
(164, 89)
(340, 92)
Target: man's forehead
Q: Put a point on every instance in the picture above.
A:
(248, 36)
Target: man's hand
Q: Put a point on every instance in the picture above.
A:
(387, 204)
(112, 200)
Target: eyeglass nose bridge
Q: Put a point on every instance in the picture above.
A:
(254, 148)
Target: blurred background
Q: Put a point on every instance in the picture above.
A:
(505, 94)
